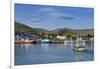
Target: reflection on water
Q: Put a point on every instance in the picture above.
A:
(51, 53)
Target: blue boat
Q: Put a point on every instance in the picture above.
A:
(45, 41)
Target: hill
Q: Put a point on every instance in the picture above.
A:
(19, 27)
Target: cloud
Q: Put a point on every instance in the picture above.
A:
(47, 10)
(57, 14)
(51, 11)
(36, 20)
(66, 18)
(62, 16)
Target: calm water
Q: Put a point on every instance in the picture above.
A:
(51, 53)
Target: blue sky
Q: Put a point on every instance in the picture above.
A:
(54, 17)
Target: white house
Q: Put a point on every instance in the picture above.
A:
(61, 37)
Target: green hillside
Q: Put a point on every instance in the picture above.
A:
(19, 27)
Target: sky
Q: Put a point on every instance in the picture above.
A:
(54, 17)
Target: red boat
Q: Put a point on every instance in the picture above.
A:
(25, 41)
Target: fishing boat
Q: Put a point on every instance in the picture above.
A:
(45, 41)
(25, 41)
(80, 45)
(79, 49)
(68, 41)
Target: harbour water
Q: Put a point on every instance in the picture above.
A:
(43, 53)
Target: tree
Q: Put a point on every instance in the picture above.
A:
(88, 36)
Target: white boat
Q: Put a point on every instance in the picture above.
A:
(68, 41)
(45, 41)
(80, 49)
(80, 45)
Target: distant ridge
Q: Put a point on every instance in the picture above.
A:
(19, 27)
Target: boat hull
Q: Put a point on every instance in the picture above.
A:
(79, 49)
(25, 41)
(45, 41)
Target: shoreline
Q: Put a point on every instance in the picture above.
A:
(36, 42)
